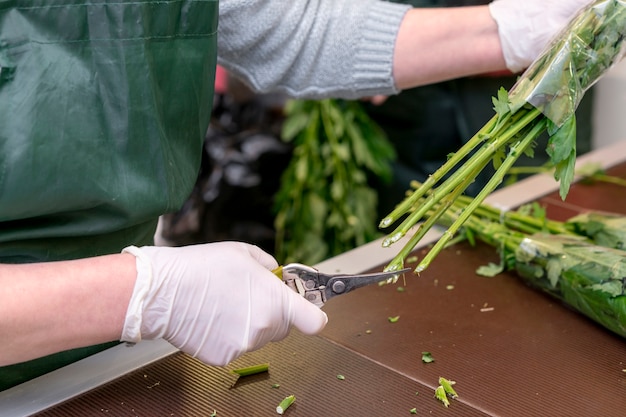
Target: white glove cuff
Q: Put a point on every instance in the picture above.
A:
(132, 324)
(515, 36)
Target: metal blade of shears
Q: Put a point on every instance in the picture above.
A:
(318, 287)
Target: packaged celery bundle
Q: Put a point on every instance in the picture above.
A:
(588, 278)
(573, 261)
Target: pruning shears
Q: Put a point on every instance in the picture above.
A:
(318, 287)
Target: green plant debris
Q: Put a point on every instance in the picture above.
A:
(411, 259)
(251, 370)
(490, 270)
(413, 410)
(393, 319)
(213, 414)
(445, 390)
(341, 377)
(427, 357)
(275, 385)
(285, 404)
(400, 289)
(447, 386)
(440, 394)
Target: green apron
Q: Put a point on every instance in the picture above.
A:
(103, 110)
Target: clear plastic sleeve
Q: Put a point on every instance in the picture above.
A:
(590, 279)
(574, 61)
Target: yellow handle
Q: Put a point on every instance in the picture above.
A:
(278, 272)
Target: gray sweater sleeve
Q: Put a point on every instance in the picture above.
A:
(311, 48)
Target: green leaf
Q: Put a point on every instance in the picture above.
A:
(564, 172)
(554, 269)
(337, 190)
(342, 151)
(562, 141)
(292, 126)
(301, 169)
(501, 103)
(613, 287)
(490, 270)
(538, 212)
(530, 151)
(498, 157)
(427, 357)
(562, 151)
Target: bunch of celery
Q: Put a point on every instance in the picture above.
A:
(589, 278)
(544, 98)
(568, 260)
(325, 205)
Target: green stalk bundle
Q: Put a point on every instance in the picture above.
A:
(543, 99)
(580, 261)
(325, 205)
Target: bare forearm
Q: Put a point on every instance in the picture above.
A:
(440, 44)
(50, 307)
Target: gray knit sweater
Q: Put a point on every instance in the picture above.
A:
(311, 48)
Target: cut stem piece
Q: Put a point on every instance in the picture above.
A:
(252, 370)
(285, 404)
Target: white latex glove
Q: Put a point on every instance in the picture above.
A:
(214, 301)
(527, 26)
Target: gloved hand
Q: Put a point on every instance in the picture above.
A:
(214, 301)
(527, 26)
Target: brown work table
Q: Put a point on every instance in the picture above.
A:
(512, 350)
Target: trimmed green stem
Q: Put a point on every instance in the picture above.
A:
(514, 153)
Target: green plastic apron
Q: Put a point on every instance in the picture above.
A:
(104, 106)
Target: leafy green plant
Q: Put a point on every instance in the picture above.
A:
(324, 205)
(544, 99)
(579, 261)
